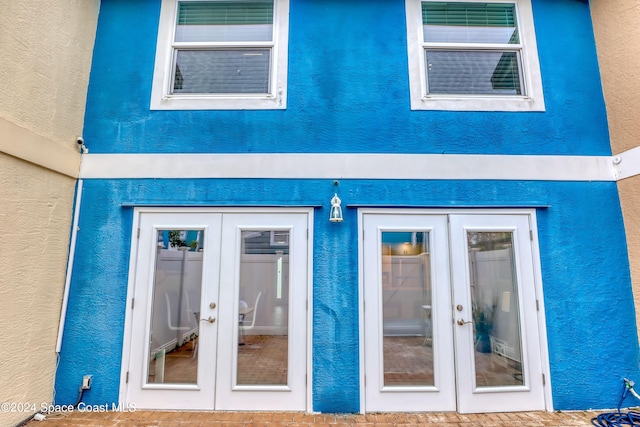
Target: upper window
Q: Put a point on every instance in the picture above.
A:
(473, 56)
(221, 54)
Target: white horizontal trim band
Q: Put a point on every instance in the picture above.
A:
(349, 166)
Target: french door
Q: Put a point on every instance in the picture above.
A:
(217, 313)
(450, 313)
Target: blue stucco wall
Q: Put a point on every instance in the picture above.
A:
(348, 90)
(587, 291)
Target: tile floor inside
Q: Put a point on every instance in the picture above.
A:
(262, 359)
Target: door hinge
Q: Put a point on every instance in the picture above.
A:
(307, 234)
(138, 234)
(126, 380)
(133, 300)
(544, 380)
(531, 235)
(537, 305)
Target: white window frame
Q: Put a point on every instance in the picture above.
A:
(532, 98)
(163, 99)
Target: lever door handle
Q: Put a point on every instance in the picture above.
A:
(211, 319)
(462, 322)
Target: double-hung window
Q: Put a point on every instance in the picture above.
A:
(473, 56)
(221, 54)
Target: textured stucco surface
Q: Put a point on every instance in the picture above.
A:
(46, 51)
(35, 218)
(618, 42)
(348, 92)
(630, 199)
(580, 287)
(617, 34)
(46, 57)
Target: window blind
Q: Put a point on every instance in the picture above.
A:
(222, 71)
(468, 14)
(473, 72)
(465, 71)
(225, 13)
(224, 21)
(494, 23)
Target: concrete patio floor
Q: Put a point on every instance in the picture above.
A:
(293, 419)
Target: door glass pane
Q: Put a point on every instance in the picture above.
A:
(173, 343)
(406, 305)
(494, 302)
(263, 307)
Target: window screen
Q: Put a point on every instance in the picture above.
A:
(224, 21)
(206, 61)
(468, 58)
(469, 23)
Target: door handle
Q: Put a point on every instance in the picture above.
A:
(210, 319)
(462, 322)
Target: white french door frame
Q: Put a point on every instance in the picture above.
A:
(537, 278)
(229, 394)
(131, 283)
